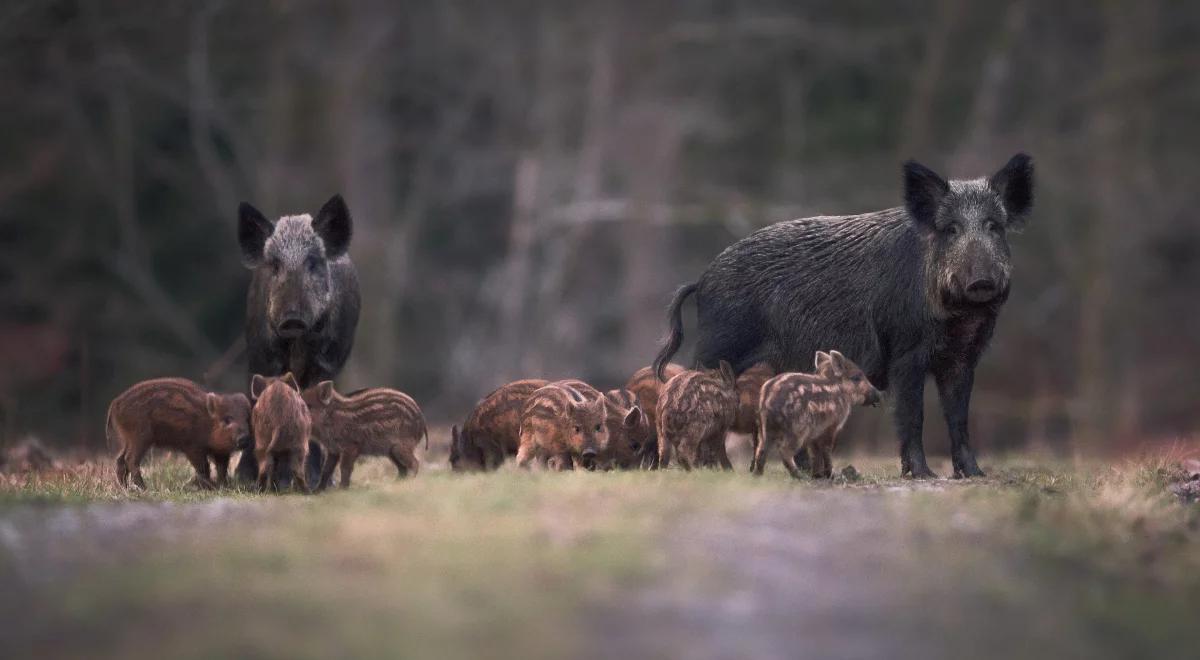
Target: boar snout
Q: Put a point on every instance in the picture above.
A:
(589, 458)
(244, 442)
(982, 290)
(872, 398)
(293, 325)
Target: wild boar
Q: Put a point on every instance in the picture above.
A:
(177, 414)
(695, 410)
(805, 412)
(906, 292)
(628, 430)
(282, 429)
(371, 422)
(559, 424)
(493, 430)
(303, 302)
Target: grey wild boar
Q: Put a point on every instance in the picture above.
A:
(805, 412)
(493, 429)
(282, 429)
(303, 302)
(695, 410)
(177, 414)
(907, 293)
(371, 422)
(561, 427)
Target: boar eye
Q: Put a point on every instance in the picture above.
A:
(228, 420)
(857, 379)
(312, 263)
(274, 264)
(597, 427)
(993, 226)
(578, 429)
(953, 229)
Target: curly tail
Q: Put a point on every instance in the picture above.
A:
(675, 338)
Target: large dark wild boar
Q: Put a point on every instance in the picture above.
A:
(559, 424)
(282, 430)
(905, 293)
(373, 422)
(695, 411)
(493, 430)
(303, 302)
(805, 412)
(178, 414)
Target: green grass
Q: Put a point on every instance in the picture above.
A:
(511, 564)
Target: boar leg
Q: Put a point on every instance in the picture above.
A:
(525, 453)
(221, 461)
(349, 455)
(331, 460)
(133, 460)
(908, 376)
(122, 470)
(954, 385)
(665, 449)
(199, 461)
(789, 462)
(718, 445)
(405, 461)
(247, 467)
(266, 471)
(689, 450)
(299, 475)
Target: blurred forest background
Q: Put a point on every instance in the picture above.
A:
(531, 180)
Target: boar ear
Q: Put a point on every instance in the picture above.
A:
(821, 360)
(290, 381)
(253, 232)
(334, 227)
(923, 192)
(213, 403)
(325, 391)
(257, 385)
(840, 363)
(1014, 184)
(632, 417)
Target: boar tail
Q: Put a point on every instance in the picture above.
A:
(675, 336)
(425, 430)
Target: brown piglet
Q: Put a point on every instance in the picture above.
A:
(282, 428)
(493, 430)
(807, 411)
(371, 422)
(174, 413)
(695, 411)
(561, 426)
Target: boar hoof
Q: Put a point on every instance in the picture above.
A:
(922, 472)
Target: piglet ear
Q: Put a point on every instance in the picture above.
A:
(821, 361)
(325, 392)
(924, 190)
(290, 381)
(838, 362)
(334, 227)
(257, 385)
(253, 232)
(1014, 184)
(632, 417)
(213, 403)
(726, 370)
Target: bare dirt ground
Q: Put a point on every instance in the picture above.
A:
(1073, 561)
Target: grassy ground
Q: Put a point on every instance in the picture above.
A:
(1041, 559)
